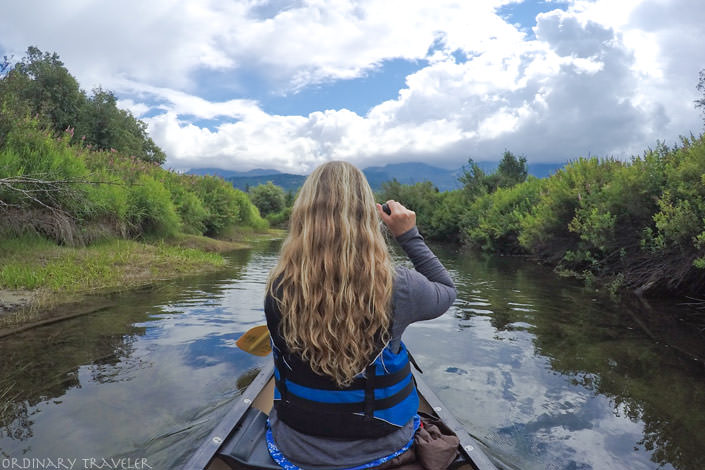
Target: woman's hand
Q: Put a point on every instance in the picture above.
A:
(401, 219)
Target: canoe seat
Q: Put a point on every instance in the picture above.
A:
(246, 448)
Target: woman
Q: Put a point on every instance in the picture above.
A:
(336, 309)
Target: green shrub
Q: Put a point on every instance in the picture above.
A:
(680, 219)
(225, 206)
(108, 198)
(493, 221)
(422, 198)
(572, 190)
(445, 221)
(31, 152)
(189, 207)
(279, 219)
(268, 198)
(150, 209)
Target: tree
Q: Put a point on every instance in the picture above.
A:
(422, 198)
(105, 126)
(701, 88)
(511, 170)
(473, 179)
(40, 85)
(4, 65)
(42, 81)
(268, 198)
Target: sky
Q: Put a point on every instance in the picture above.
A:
(290, 84)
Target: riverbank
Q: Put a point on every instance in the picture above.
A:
(41, 281)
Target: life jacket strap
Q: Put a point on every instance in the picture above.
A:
(280, 382)
(351, 407)
(312, 380)
(370, 391)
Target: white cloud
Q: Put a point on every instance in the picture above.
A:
(602, 77)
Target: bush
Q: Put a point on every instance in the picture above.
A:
(546, 229)
(189, 207)
(150, 209)
(493, 221)
(680, 219)
(32, 153)
(269, 198)
(445, 223)
(422, 198)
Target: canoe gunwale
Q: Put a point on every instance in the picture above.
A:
(469, 445)
(205, 453)
(209, 449)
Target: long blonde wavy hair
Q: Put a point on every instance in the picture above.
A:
(334, 274)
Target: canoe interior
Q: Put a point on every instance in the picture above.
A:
(245, 446)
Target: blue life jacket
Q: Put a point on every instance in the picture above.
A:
(378, 402)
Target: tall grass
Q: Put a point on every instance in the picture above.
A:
(129, 196)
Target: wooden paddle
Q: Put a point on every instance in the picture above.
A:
(255, 341)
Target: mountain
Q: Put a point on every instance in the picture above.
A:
(287, 181)
(230, 173)
(539, 170)
(406, 173)
(410, 173)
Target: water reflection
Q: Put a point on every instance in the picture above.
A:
(554, 377)
(143, 377)
(546, 374)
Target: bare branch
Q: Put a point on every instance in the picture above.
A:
(39, 190)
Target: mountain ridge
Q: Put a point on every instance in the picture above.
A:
(405, 173)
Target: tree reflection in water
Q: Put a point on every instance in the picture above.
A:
(638, 354)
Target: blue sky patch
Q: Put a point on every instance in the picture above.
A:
(358, 95)
(524, 13)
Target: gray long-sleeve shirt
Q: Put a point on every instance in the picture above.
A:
(420, 294)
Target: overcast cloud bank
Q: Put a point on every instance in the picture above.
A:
(596, 77)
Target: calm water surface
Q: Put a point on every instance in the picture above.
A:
(545, 373)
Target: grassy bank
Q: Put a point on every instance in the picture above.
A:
(37, 276)
(85, 206)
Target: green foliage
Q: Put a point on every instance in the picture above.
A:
(474, 180)
(421, 198)
(639, 224)
(150, 208)
(219, 202)
(40, 85)
(46, 86)
(108, 192)
(446, 219)
(493, 221)
(106, 200)
(248, 214)
(680, 219)
(510, 171)
(269, 198)
(701, 88)
(105, 126)
(623, 225)
(279, 219)
(189, 207)
(30, 152)
(569, 194)
(225, 206)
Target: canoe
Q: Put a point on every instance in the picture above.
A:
(238, 441)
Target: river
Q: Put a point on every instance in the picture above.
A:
(546, 373)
